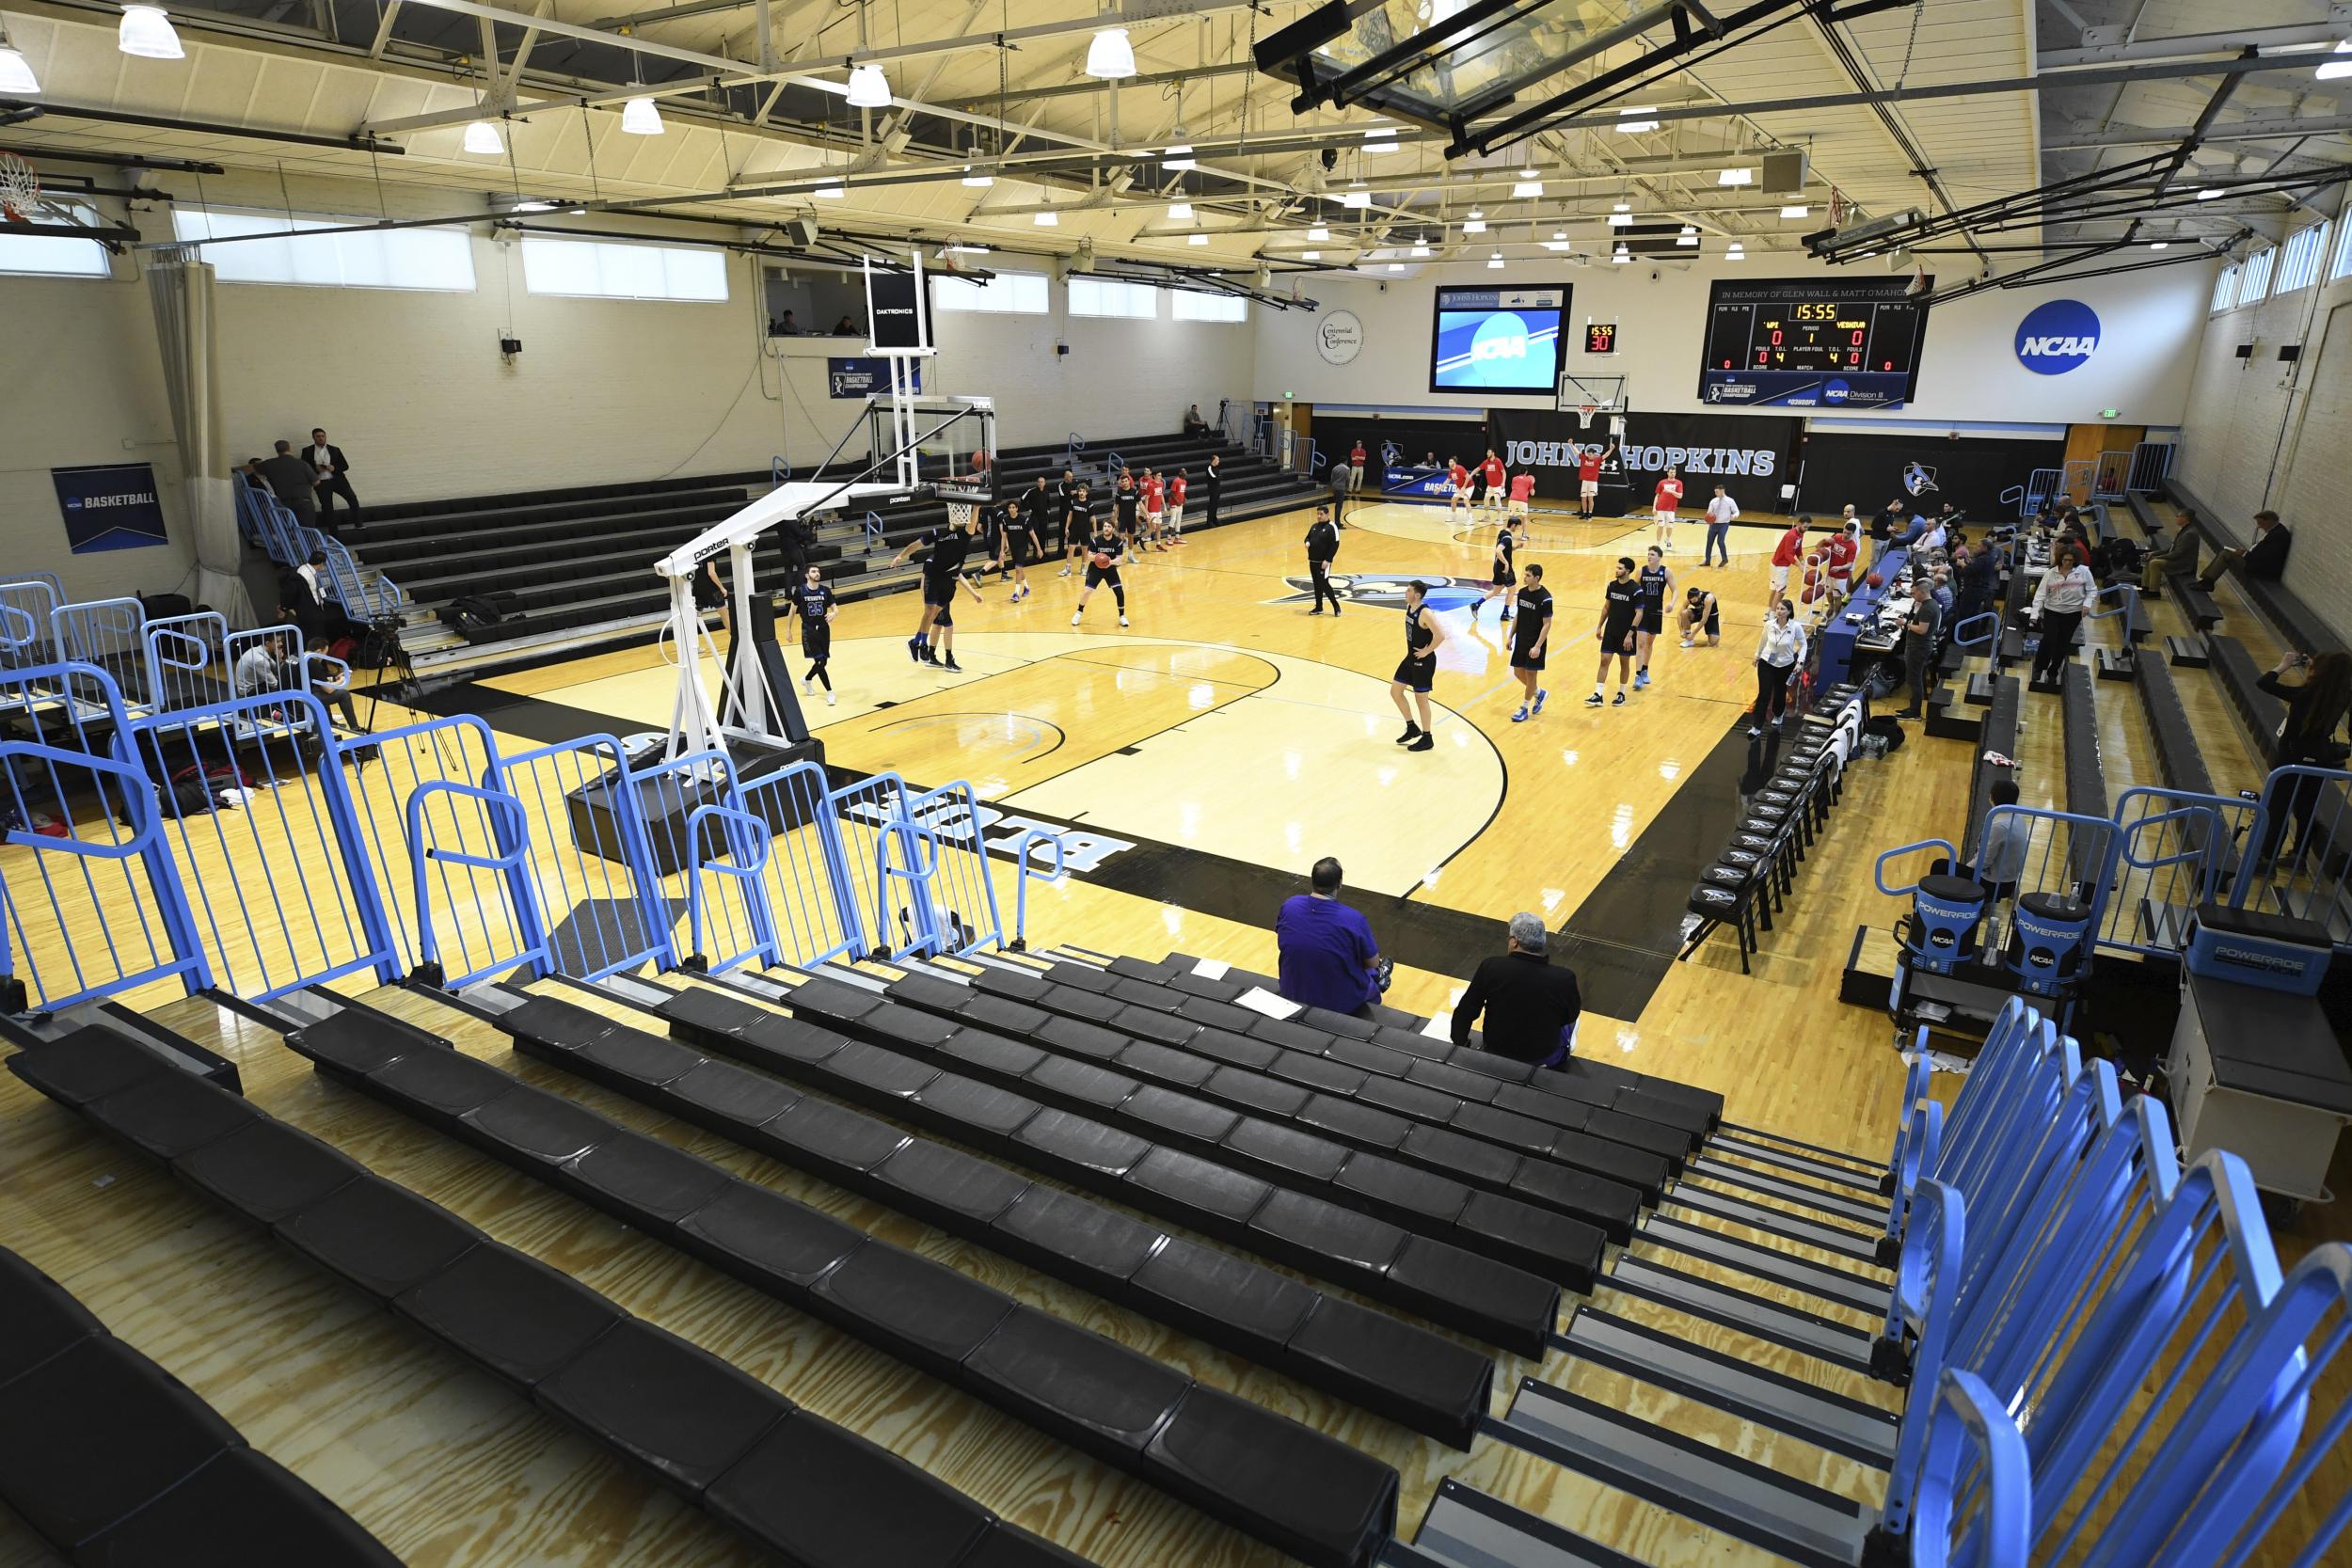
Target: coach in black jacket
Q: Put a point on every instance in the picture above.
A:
(1216, 482)
(1530, 1007)
(326, 461)
(1323, 547)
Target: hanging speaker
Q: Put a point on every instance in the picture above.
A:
(801, 231)
(1784, 172)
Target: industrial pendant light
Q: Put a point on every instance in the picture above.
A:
(640, 117)
(869, 87)
(147, 33)
(1110, 56)
(482, 139)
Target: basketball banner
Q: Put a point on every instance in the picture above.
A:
(1747, 454)
(109, 506)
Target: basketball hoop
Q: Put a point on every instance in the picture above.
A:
(20, 188)
(1584, 412)
(959, 514)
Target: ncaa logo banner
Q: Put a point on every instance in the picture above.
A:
(2056, 336)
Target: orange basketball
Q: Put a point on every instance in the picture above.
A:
(1099, 562)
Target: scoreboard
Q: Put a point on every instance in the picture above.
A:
(1813, 343)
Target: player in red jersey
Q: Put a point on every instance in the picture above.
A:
(1785, 558)
(1588, 465)
(1844, 548)
(1176, 488)
(1154, 508)
(1496, 478)
(1459, 478)
(1523, 499)
(1667, 496)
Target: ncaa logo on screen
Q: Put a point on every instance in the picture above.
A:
(2056, 336)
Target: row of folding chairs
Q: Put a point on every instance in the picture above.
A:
(1758, 866)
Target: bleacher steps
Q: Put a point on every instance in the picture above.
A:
(1829, 1165)
(1857, 1245)
(1795, 1519)
(1464, 1528)
(1980, 688)
(1861, 1211)
(1757, 1394)
(1807, 1333)
(1821, 1280)
(2187, 653)
(2112, 664)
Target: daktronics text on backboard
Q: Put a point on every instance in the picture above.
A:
(1812, 342)
(1497, 339)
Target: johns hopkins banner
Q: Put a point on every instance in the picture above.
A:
(1749, 455)
(111, 506)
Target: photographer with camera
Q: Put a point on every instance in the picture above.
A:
(2307, 736)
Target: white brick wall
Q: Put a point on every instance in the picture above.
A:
(412, 386)
(2258, 433)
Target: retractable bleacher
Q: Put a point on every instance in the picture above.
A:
(116, 1463)
(797, 1486)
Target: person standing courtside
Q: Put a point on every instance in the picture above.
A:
(1531, 641)
(1213, 483)
(1531, 1005)
(1919, 630)
(1323, 547)
(1327, 957)
(1721, 513)
(1417, 672)
(1589, 460)
(1341, 485)
(1778, 653)
(327, 465)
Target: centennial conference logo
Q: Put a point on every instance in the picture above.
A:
(2056, 336)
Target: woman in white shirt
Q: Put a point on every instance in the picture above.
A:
(1777, 655)
(2067, 589)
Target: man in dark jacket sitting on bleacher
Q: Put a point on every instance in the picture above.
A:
(2176, 560)
(2264, 558)
(1530, 1004)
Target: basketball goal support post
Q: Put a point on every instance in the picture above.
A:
(755, 709)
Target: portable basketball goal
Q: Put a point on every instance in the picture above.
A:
(916, 446)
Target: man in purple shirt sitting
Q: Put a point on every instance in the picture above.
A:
(1328, 957)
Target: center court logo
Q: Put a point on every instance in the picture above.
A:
(1386, 590)
(2056, 336)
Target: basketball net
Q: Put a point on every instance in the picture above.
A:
(1584, 412)
(959, 514)
(20, 188)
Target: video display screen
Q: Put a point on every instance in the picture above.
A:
(1497, 339)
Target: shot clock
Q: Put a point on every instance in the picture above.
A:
(1797, 343)
(1600, 336)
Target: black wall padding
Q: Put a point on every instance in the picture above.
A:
(1411, 1375)
(1313, 1497)
(805, 1491)
(1153, 1171)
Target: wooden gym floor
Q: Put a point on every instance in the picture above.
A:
(1230, 740)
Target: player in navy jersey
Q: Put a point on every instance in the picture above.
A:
(1077, 523)
(1417, 672)
(1103, 550)
(1620, 612)
(1658, 587)
(812, 600)
(948, 547)
(1019, 544)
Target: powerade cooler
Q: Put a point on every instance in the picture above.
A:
(2251, 948)
(1946, 912)
(2048, 937)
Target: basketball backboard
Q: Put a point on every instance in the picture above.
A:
(1595, 400)
(949, 442)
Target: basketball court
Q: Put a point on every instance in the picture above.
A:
(587, 977)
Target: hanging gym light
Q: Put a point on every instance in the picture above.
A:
(147, 33)
(1110, 56)
(482, 139)
(640, 117)
(869, 87)
(16, 72)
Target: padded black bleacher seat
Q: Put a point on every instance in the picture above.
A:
(1541, 1239)
(1086, 1243)
(666, 1404)
(2262, 712)
(1340, 1079)
(1999, 736)
(2085, 776)
(2178, 755)
(1428, 1276)
(115, 1462)
(691, 1418)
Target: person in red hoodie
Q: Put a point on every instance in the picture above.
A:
(1663, 500)
(1523, 499)
(1785, 556)
(1843, 549)
(1176, 488)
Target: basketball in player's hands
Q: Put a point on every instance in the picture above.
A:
(1100, 560)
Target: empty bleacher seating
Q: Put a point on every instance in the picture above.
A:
(798, 1486)
(114, 1462)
